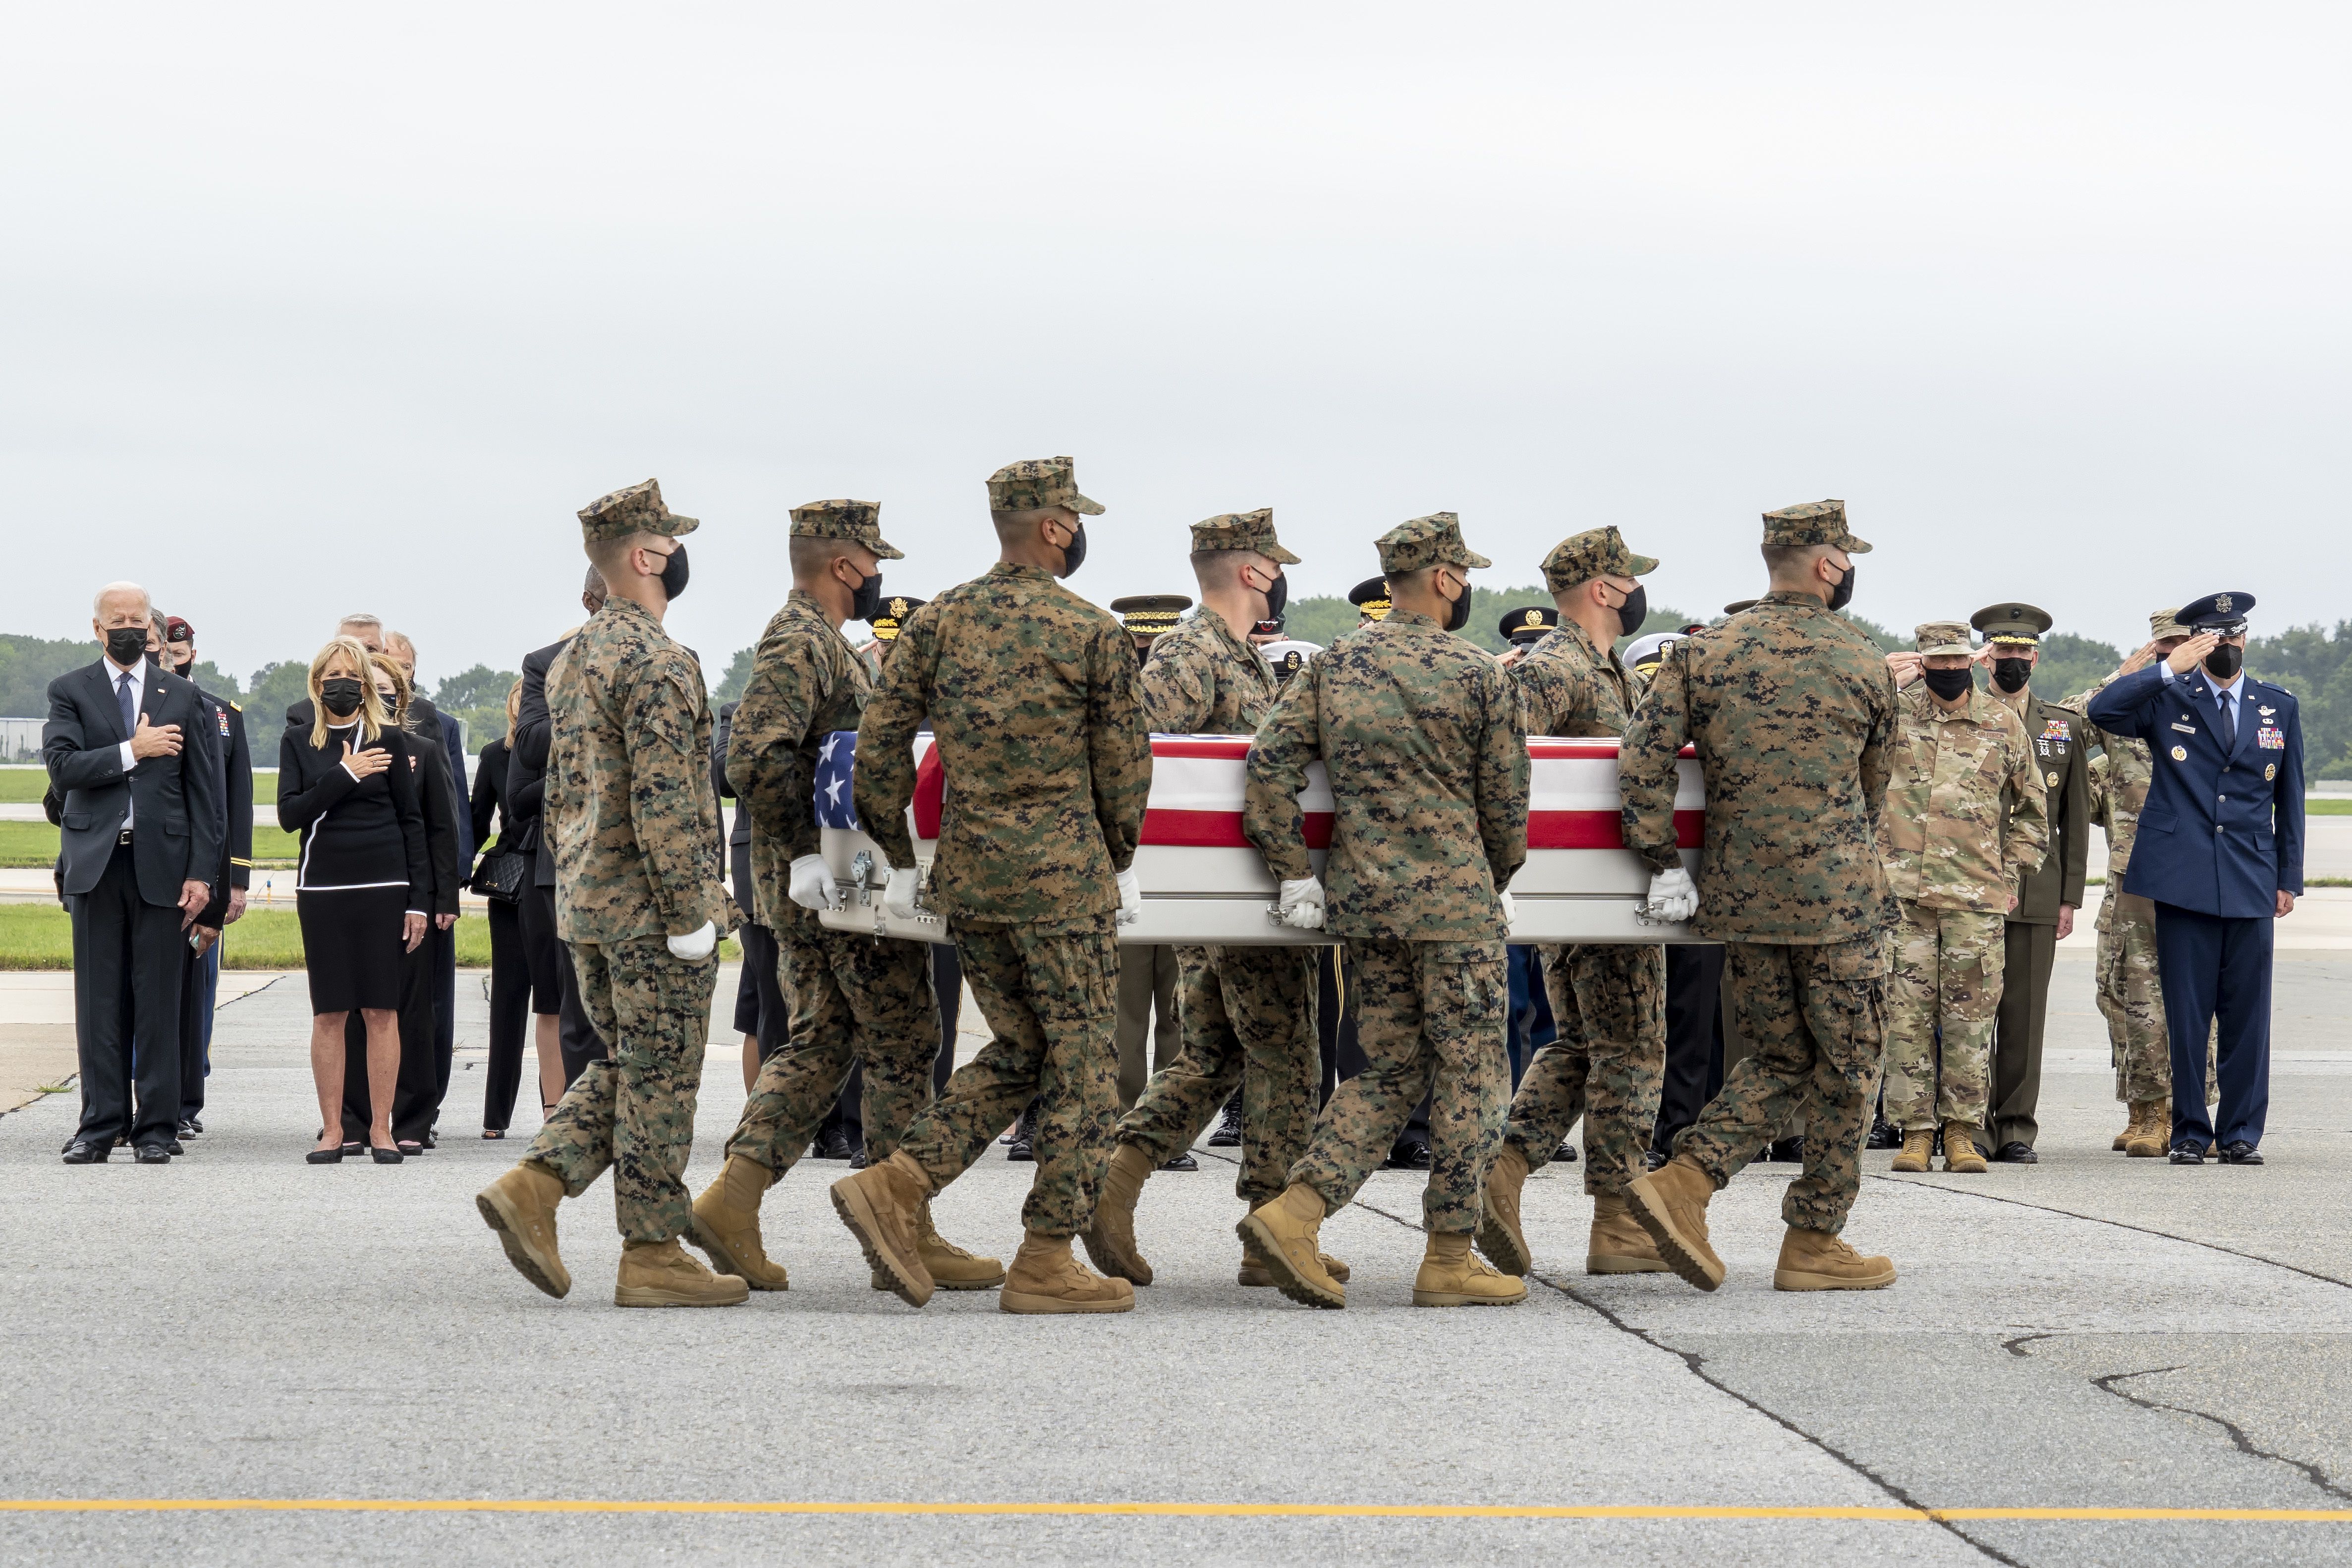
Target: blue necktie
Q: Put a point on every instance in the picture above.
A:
(2229, 722)
(130, 700)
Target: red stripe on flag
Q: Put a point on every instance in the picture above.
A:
(931, 792)
(1601, 829)
(1219, 829)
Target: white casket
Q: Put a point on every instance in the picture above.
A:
(1202, 882)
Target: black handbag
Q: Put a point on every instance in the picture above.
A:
(501, 877)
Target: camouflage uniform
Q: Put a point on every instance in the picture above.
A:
(1964, 821)
(1419, 732)
(851, 997)
(1248, 1012)
(1608, 999)
(635, 833)
(1031, 694)
(1793, 712)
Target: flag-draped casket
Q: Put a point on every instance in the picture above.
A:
(1202, 882)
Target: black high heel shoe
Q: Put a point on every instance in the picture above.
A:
(323, 1157)
(385, 1156)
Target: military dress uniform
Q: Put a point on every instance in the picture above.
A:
(2062, 746)
(852, 997)
(1248, 1014)
(1608, 999)
(1419, 732)
(1964, 824)
(635, 827)
(1151, 981)
(1031, 693)
(1794, 715)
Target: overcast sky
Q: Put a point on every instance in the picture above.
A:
(316, 308)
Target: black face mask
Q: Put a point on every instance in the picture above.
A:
(1947, 684)
(1276, 597)
(1843, 595)
(126, 646)
(341, 695)
(865, 601)
(1459, 616)
(2224, 661)
(2011, 674)
(1634, 610)
(673, 577)
(1074, 554)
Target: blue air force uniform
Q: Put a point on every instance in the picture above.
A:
(2221, 838)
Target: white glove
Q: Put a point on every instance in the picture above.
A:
(1302, 904)
(695, 945)
(1130, 898)
(811, 884)
(899, 895)
(1674, 897)
(1510, 909)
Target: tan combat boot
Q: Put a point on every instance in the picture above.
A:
(1284, 1232)
(2153, 1137)
(883, 1207)
(949, 1265)
(1918, 1147)
(1816, 1260)
(1961, 1150)
(726, 1224)
(663, 1274)
(2131, 1126)
(1045, 1277)
(1451, 1276)
(521, 1206)
(1618, 1245)
(1254, 1272)
(1110, 1234)
(1670, 1202)
(1499, 1236)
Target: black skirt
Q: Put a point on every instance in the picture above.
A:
(351, 944)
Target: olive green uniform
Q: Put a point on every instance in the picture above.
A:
(2061, 750)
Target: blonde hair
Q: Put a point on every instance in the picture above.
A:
(514, 705)
(371, 714)
(404, 692)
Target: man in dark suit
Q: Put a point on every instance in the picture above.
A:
(2219, 852)
(234, 757)
(129, 755)
(527, 770)
(441, 738)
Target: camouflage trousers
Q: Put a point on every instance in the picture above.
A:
(1948, 974)
(850, 996)
(1050, 999)
(1430, 1017)
(1608, 1065)
(1817, 1018)
(632, 1109)
(1248, 1017)
(2133, 1000)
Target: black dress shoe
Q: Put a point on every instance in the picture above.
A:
(1566, 1154)
(1410, 1152)
(196, 1124)
(188, 1128)
(831, 1144)
(1023, 1140)
(2016, 1154)
(409, 1147)
(351, 1150)
(174, 1147)
(1228, 1133)
(1788, 1150)
(153, 1155)
(1881, 1135)
(857, 1162)
(324, 1156)
(1182, 1161)
(2188, 1153)
(431, 1140)
(1655, 1159)
(89, 1150)
(2242, 1154)
(391, 1156)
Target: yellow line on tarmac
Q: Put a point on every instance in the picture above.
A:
(1153, 1509)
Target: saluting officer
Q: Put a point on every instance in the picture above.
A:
(2220, 851)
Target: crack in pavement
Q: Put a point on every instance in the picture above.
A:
(2014, 1346)
(2246, 1445)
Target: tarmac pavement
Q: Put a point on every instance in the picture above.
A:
(2091, 1333)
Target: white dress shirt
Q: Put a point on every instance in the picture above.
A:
(138, 674)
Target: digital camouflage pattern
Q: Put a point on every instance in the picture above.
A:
(1794, 714)
(1419, 732)
(635, 510)
(1815, 522)
(1203, 680)
(1964, 807)
(859, 522)
(806, 683)
(629, 804)
(1050, 999)
(1031, 693)
(1947, 976)
(632, 1110)
(852, 998)
(1036, 483)
(1567, 684)
(1429, 1019)
(1241, 530)
(1248, 1017)
(1816, 1015)
(1595, 553)
(1607, 1064)
(1432, 541)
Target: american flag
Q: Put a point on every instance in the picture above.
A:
(834, 769)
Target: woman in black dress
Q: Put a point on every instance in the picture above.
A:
(344, 784)
(522, 975)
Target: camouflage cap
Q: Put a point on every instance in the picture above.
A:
(857, 521)
(1432, 541)
(1595, 553)
(1943, 636)
(1149, 615)
(2020, 624)
(1815, 522)
(1736, 605)
(637, 510)
(1241, 530)
(1039, 482)
(1372, 598)
(2166, 624)
(893, 618)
